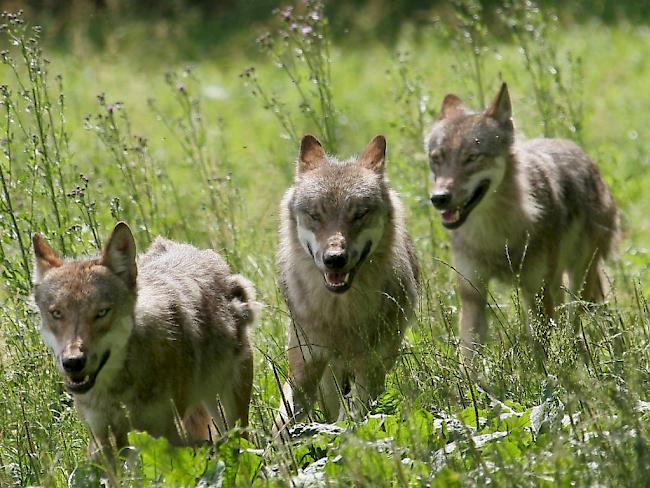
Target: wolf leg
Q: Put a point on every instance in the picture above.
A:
(473, 322)
(542, 289)
(104, 445)
(332, 389)
(231, 408)
(541, 284)
(197, 423)
(370, 383)
(217, 410)
(306, 365)
(236, 400)
(540, 301)
(586, 280)
(100, 450)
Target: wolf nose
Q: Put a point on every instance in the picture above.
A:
(440, 200)
(335, 259)
(74, 364)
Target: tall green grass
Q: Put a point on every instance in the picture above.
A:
(191, 154)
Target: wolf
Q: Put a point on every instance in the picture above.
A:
(160, 346)
(534, 210)
(349, 274)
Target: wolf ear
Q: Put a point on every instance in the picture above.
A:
(45, 258)
(312, 154)
(374, 157)
(500, 108)
(451, 107)
(119, 254)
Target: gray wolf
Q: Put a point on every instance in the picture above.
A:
(152, 346)
(349, 275)
(531, 209)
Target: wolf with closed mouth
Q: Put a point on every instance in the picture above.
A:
(349, 274)
(531, 209)
(154, 346)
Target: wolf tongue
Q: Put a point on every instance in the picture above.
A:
(450, 215)
(336, 278)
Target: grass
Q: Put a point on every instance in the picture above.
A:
(193, 155)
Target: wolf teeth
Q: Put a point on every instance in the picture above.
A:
(450, 218)
(80, 381)
(338, 283)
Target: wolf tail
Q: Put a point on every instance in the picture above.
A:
(241, 295)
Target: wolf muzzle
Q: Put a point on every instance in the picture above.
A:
(337, 280)
(77, 381)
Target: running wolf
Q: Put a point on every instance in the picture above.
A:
(148, 347)
(535, 210)
(349, 274)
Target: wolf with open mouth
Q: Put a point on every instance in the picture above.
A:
(349, 274)
(160, 346)
(522, 211)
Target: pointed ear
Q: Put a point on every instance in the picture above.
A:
(312, 154)
(451, 107)
(119, 254)
(45, 258)
(500, 108)
(374, 157)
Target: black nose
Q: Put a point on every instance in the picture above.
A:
(335, 259)
(441, 200)
(74, 364)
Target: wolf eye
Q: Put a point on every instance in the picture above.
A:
(102, 313)
(360, 214)
(314, 216)
(56, 314)
(472, 158)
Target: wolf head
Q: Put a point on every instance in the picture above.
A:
(468, 153)
(340, 208)
(86, 306)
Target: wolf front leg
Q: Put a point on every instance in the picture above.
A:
(473, 322)
(542, 287)
(236, 399)
(586, 278)
(104, 445)
(542, 290)
(541, 302)
(332, 390)
(370, 371)
(370, 383)
(307, 363)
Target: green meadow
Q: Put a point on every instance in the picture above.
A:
(155, 122)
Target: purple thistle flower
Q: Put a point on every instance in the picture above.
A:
(286, 13)
(306, 30)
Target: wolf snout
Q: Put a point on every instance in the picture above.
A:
(74, 363)
(335, 258)
(441, 200)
